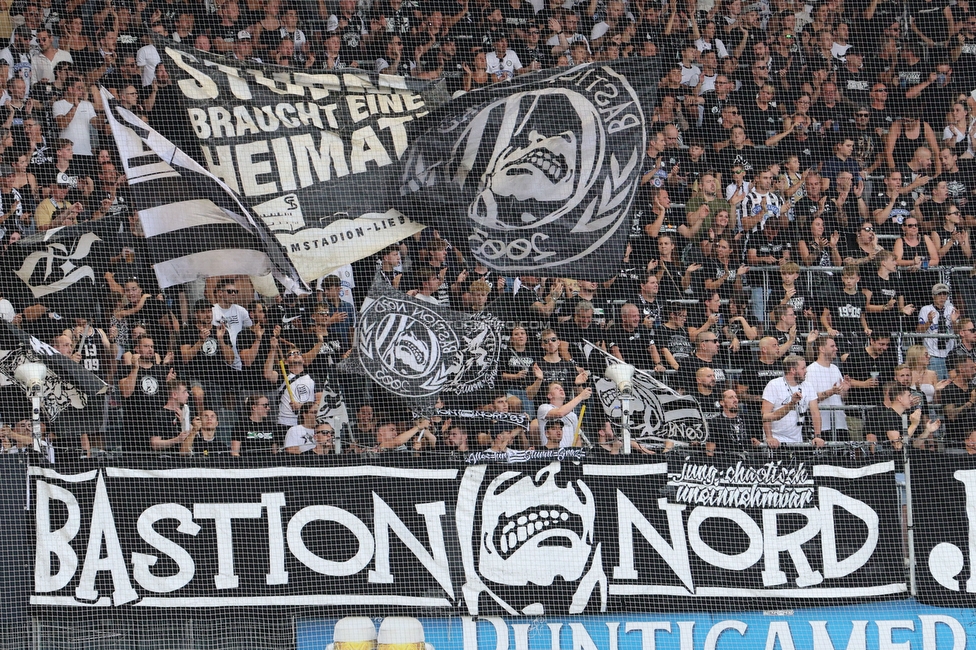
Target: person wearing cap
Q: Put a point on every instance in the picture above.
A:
(243, 48)
(55, 203)
(938, 317)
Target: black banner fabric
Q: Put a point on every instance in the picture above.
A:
(539, 174)
(943, 491)
(313, 154)
(543, 536)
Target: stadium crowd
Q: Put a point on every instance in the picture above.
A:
(800, 247)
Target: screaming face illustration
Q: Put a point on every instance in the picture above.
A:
(401, 345)
(545, 172)
(532, 549)
(532, 530)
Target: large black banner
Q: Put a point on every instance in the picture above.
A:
(311, 153)
(550, 535)
(943, 491)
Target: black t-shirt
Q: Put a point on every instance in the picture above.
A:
(255, 437)
(166, 424)
(882, 291)
(633, 345)
(757, 374)
(208, 363)
(845, 311)
(884, 420)
(749, 158)
(862, 367)
(561, 371)
(514, 362)
(581, 351)
(957, 430)
(213, 447)
(677, 342)
(733, 434)
(149, 395)
(761, 124)
(959, 183)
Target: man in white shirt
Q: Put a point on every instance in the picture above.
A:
(831, 387)
(42, 63)
(938, 317)
(558, 407)
(786, 402)
(73, 114)
(231, 315)
(502, 63)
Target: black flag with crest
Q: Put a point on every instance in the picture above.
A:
(416, 350)
(62, 268)
(67, 385)
(538, 175)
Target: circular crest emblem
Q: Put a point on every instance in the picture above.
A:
(210, 347)
(549, 174)
(407, 348)
(149, 385)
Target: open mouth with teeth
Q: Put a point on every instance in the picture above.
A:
(547, 524)
(551, 164)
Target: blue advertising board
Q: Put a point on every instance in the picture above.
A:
(894, 625)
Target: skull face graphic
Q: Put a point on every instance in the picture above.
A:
(536, 173)
(532, 549)
(402, 346)
(533, 530)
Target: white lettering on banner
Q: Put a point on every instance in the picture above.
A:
(103, 528)
(55, 543)
(223, 515)
(184, 561)
(946, 560)
(765, 542)
(385, 520)
(240, 165)
(202, 87)
(674, 532)
(779, 634)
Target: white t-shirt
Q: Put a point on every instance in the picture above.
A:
(569, 426)
(303, 388)
(506, 66)
(42, 68)
(301, 437)
(932, 345)
(778, 393)
(147, 58)
(235, 318)
(77, 129)
(823, 379)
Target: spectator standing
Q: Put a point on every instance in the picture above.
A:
(831, 387)
(74, 116)
(556, 407)
(938, 317)
(786, 403)
(256, 433)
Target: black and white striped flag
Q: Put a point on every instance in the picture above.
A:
(195, 227)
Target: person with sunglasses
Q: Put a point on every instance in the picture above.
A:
(553, 367)
(231, 315)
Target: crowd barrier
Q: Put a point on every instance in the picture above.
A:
(117, 546)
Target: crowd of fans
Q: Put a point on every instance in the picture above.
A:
(791, 256)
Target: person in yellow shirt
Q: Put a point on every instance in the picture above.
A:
(44, 214)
